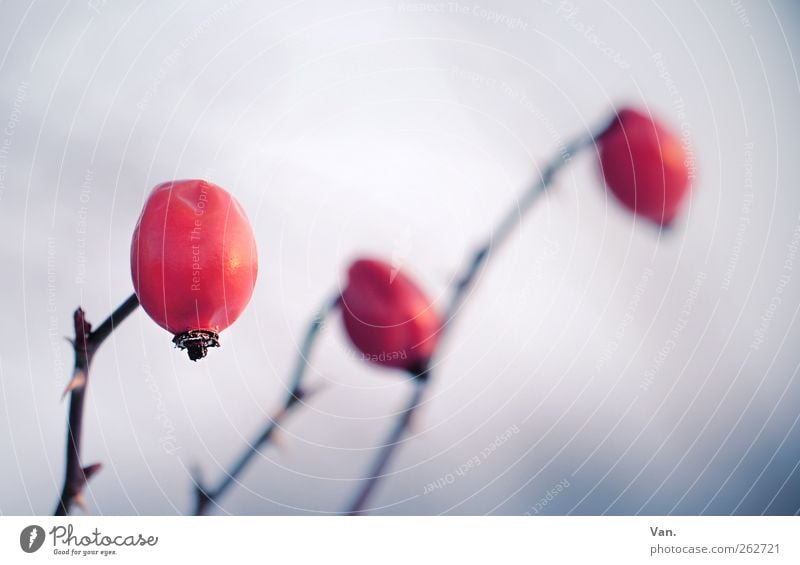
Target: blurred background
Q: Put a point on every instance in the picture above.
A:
(599, 367)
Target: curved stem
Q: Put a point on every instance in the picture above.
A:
(86, 344)
(472, 268)
(392, 440)
(465, 282)
(206, 496)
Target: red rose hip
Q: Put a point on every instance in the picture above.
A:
(193, 262)
(644, 165)
(388, 318)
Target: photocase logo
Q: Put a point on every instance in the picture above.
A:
(31, 538)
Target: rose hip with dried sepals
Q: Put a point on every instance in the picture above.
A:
(193, 262)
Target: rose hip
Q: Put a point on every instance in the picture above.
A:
(193, 262)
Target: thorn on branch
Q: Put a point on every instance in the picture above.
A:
(296, 396)
(91, 470)
(78, 381)
(84, 345)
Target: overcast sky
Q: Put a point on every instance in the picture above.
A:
(625, 371)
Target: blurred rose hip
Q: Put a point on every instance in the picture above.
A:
(388, 318)
(193, 262)
(644, 165)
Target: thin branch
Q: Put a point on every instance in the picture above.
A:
(507, 225)
(86, 344)
(461, 291)
(392, 441)
(205, 496)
